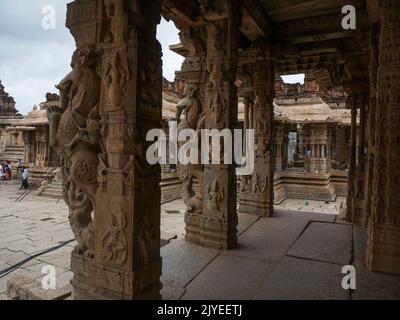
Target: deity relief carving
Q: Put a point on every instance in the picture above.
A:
(75, 129)
(215, 195)
(256, 184)
(114, 241)
(260, 183)
(217, 37)
(218, 108)
(262, 127)
(117, 78)
(245, 184)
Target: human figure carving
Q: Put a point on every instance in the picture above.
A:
(114, 242)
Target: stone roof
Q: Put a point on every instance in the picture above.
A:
(38, 116)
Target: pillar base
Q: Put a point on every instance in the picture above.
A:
(383, 248)
(95, 282)
(193, 231)
(215, 234)
(358, 212)
(251, 204)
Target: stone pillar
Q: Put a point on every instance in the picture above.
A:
(279, 134)
(193, 72)
(319, 136)
(257, 190)
(28, 146)
(248, 107)
(383, 252)
(219, 220)
(117, 81)
(359, 195)
(371, 121)
(352, 160)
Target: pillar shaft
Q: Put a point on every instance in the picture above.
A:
(117, 80)
(383, 253)
(257, 190)
(219, 220)
(352, 159)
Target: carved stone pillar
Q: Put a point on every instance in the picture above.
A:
(27, 136)
(116, 99)
(257, 190)
(352, 160)
(219, 220)
(371, 121)
(279, 135)
(383, 253)
(319, 140)
(359, 195)
(193, 71)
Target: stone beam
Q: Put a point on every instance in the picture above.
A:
(316, 29)
(256, 23)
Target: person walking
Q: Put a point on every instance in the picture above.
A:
(25, 177)
(9, 170)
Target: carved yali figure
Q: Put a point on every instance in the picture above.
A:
(74, 127)
(190, 106)
(190, 199)
(194, 119)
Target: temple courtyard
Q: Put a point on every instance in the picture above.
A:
(297, 254)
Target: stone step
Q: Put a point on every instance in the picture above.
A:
(51, 195)
(53, 190)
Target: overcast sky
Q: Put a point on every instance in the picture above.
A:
(33, 59)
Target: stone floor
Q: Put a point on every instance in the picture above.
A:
(294, 255)
(313, 206)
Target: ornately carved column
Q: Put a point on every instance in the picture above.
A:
(191, 107)
(257, 190)
(279, 135)
(352, 161)
(371, 122)
(383, 253)
(116, 99)
(219, 220)
(358, 210)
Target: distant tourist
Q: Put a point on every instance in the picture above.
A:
(8, 170)
(25, 177)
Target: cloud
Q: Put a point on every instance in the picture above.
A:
(33, 60)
